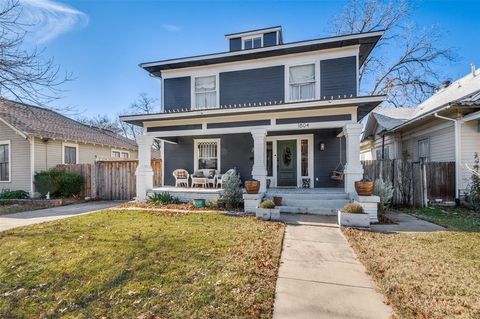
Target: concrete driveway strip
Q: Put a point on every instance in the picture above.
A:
(10, 221)
(320, 277)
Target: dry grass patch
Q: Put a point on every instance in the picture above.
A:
(133, 264)
(428, 275)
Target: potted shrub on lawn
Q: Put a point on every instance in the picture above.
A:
(267, 211)
(352, 215)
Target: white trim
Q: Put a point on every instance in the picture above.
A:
(32, 165)
(278, 47)
(259, 31)
(120, 151)
(162, 155)
(252, 37)
(472, 116)
(311, 160)
(316, 65)
(195, 152)
(9, 143)
(70, 145)
(193, 95)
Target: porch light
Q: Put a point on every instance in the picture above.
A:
(322, 146)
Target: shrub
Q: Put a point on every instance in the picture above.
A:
(163, 198)
(472, 193)
(353, 209)
(58, 183)
(231, 193)
(267, 204)
(14, 195)
(384, 190)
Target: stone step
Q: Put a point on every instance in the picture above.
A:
(307, 210)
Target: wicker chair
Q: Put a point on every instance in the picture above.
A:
(181, 177)
(221, 178)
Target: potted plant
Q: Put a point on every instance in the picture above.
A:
(277, 200)
(364, 187)
(267, 211)
(352, 215)
(252, 186)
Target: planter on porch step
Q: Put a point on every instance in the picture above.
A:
(364, 188)
(353, 220)
(252, 186)
(277, 200)
(267, 213)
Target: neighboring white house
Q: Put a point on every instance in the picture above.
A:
(443, 128)
(34, 139)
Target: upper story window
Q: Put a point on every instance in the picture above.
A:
(252, 43)
(206, 92)
(302, 82)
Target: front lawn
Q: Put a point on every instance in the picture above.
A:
(460, 219)
(133, 264)
(426, 275)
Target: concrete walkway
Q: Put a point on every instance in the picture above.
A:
(320, 277)
(405, 223)
(10, 221)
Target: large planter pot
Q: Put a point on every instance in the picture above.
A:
(267, 213)
(364, 188)
(252, 186)
(277, 200)
(353, 220)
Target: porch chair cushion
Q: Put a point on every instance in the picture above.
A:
(198, 174)
(211, 174)
(181, 174)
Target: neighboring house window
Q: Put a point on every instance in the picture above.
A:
(5, 161)
(207, 154)
(70, 154)
(252, 43)
(424, 149)
(120, 154)
(302, 82)
(116, 154)
(206, 92)
(386, 153)
(125, 155)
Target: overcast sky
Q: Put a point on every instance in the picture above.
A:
(102, 42)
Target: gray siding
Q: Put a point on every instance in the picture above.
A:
(338, 77)
(252, 86)
(269, 39)
(326, 161)
(235, 44)
(176, 93)
(236, 152)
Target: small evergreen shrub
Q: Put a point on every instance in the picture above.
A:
(163, 198)
(267, 204)
(384, 190)
(353, 208)
(472, 193)
(232, 193)
(58, 183)
(19, 194)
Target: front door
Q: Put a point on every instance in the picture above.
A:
(287, 163)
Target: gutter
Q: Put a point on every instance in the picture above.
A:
(458, 151)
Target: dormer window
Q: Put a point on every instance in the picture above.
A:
(252, 42)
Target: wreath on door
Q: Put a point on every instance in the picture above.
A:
(287, 156)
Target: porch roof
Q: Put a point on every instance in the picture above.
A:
(364, 103)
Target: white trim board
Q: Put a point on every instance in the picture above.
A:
(9, 143)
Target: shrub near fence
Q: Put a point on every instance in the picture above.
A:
(414, 183)
(111, 179)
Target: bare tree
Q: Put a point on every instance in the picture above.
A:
(25, 76)
(101, 121)
(405, 64)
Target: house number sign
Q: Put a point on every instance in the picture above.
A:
(303, 125)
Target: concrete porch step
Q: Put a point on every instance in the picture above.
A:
(322, 196)
(315, 203)
(307, 210)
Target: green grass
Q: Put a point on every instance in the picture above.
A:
(457, 219)
(423, 275)
(133, 264)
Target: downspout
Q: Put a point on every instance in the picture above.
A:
(32, 165)
(458, 149)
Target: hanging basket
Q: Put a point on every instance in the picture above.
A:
(364, 188)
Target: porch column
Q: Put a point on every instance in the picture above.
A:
(144, 170)
(259, 169)
(353, 168)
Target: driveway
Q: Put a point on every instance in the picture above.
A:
(320, 277)
(10, 221)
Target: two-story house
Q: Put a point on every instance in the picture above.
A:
(285, 114)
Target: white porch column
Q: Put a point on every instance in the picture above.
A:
(259, 169)
(353, 168)
(144, 171)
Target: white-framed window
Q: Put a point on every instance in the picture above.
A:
(424, 149)
(386, 153)
(205, 92)
(120, 154)
(302, 82)
(207, 154)
(252, 42)
(69, 153)
(5, 161)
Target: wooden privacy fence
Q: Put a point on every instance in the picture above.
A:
(111, 180)
(414, 183)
